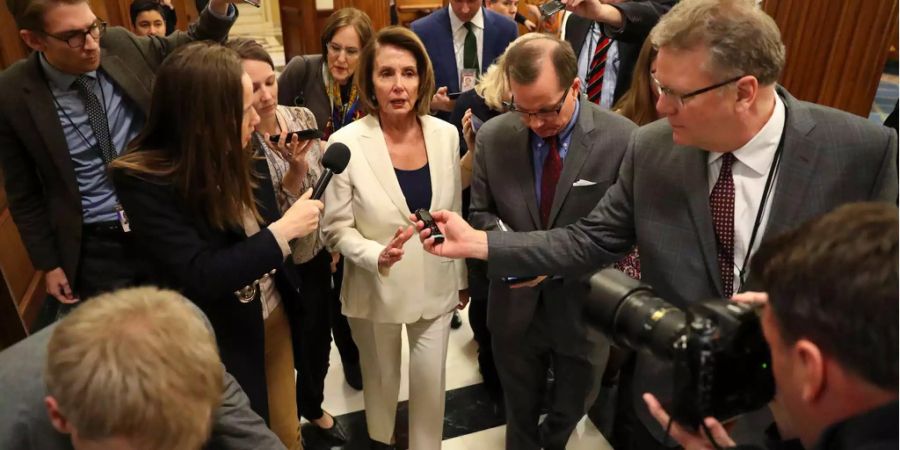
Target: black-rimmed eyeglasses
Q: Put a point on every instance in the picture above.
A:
(77, 38)
(680, 98)
(544, 114)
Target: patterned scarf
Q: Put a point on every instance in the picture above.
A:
(341, 113)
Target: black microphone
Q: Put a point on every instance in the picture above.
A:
(335, 161)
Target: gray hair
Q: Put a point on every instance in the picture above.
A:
(741, 38)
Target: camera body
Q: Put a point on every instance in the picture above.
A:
(722, 365)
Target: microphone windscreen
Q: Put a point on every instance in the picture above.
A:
(336, 157)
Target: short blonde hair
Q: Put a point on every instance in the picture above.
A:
(137, 363)
(494, 86)
(741, 38)
(404, 39)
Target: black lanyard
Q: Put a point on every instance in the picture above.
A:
(742, 271)
(72, 122)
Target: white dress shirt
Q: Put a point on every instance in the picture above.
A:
(459, 39)
(750, 171)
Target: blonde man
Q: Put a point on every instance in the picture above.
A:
(134, 369)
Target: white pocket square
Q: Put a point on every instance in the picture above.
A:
(581, 183)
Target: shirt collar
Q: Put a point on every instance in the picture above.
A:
(59, 79)
(758, 152)
(456, 24)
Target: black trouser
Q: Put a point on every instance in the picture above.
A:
(478, 291)
(340, 328)
(109, 261)
(522, 364)
(311, 334)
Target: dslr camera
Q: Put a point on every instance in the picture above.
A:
(721, 359)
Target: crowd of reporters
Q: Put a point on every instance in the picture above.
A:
(170, 159)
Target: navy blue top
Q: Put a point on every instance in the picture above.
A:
(416, 187)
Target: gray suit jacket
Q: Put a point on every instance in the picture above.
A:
(25, 425)
(503, 187)
(660, 202)
(39, 174)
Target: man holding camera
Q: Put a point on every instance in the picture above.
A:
(831, 324)
(737, 158)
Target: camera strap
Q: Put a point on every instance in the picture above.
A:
(776, 162)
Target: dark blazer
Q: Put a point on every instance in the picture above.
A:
(639, 18)
(660, 203)
(208, 265)
(25, 425)
(503, 187)
(39, 176)
(434, 30)
(303, 84)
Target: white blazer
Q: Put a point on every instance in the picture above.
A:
(364, 206)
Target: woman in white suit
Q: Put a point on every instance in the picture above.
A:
(402, 160)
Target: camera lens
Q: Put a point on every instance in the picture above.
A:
(630, 314)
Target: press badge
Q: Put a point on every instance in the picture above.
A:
(467, 79)
(123, 219)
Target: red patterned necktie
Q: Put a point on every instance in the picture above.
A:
(721, 204)
(597, 69)
(549, 179)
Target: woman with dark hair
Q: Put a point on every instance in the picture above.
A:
(205, 213)
(402, 160)
(295, 167)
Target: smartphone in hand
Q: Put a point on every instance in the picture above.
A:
(550, 8)
(305, 135)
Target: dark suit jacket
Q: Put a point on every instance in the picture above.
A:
(208, 265)
(503, 187)
(302, 84)
(39, 176)
(25, 425)
(661, 203)
(639, 18)
(435, 32)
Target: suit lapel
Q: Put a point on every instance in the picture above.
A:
(575, 158)
(436, 168)
(447, 49)
(696, 192)
(576, 32)
(522, 166)
(127, 81)
(488, 48)
(795, 172)
(42, 107)
(376, 154)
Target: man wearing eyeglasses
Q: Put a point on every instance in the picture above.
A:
(69, 109)
(737, 159)
(544, 165)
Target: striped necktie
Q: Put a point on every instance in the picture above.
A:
(597, 69)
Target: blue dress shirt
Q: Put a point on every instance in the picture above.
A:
(540, 149)
(98, 197)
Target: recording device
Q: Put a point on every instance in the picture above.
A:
(502, 227)
(721, 359)
(454, 95)
(304, 135)
(476, 123)
(425, 216)
(255, 3)
(335, 160)
(550, 8)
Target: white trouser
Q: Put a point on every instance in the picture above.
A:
(379, 354)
